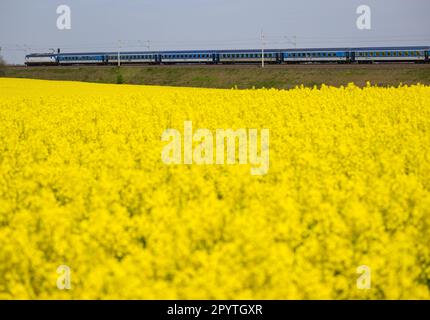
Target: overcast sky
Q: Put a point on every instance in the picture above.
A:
(97, 25)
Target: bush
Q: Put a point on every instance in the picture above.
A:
(119, 78)
(2, 67)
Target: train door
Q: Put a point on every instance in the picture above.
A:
(352, 57)
(215, 58)
(427, 56)
(158, 59)
(348, 57)
(279, 57)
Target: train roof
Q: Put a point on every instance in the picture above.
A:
(232, 51)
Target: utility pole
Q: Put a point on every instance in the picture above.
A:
(119, 53)
(148, 46)
(262, 48)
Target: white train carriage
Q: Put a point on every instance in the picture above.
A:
(40, 60)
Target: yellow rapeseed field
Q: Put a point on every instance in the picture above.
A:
(82, 184)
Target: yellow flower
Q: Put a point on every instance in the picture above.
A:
(82, 184)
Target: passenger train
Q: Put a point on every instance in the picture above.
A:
(274, 56)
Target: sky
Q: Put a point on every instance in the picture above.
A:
(28, 26)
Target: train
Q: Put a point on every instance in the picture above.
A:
(417, 54)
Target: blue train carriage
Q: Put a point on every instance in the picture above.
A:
(390, 54)
(317, 56)
(173, 57)
(250, 56)
(37, 59)
(133, 58)
(81, 58)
